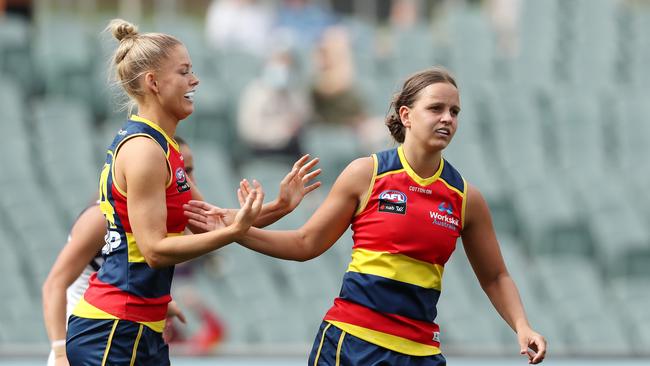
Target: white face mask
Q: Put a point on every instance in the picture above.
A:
(276, 76)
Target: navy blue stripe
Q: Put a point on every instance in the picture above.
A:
(452, 177)
(387, 161)
(390, 296)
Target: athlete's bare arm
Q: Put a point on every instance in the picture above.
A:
(86, 239)
(141, 170)
(320, 232)
(482, 248)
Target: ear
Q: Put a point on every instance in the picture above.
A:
(404, 114)
(150, 82)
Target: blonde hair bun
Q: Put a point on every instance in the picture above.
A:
(122, 29)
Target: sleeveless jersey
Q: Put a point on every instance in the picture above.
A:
(126, 287)
(403, 235)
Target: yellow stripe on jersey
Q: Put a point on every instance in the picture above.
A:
(362, 204)
(135, 256)
(88, 311)
(397, 267)
(462, 213)
(391, 342)
(419, 180)
(135, 117)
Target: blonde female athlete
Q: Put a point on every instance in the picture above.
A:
(407, 207)
(81, 255)
(143, 187)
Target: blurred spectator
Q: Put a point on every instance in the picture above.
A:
(403, 14)
(211, 329)
(504, 16)
(238, 24)
(304, 20)
(335, 97)
(272, 110)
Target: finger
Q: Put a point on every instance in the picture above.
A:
(245, 186)
(200, 204)
(241, 197)
(198, 224)
(312, 187)
(540, 347)
(195, 216)
(181, 317)
(311, 164)
(248, 203)
(312, 175)
(257, 185)
(300, 162)
(259, 200)
(289, 177)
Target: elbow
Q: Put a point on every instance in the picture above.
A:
(155, 261)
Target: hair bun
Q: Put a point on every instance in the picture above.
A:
(122, 29)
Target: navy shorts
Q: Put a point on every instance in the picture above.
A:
(100, 342)
(339, 348)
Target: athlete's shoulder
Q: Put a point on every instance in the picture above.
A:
(453, 177)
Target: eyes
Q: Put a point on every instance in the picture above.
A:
(440, 108)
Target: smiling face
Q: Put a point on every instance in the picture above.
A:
(176, 83)
(433, 118)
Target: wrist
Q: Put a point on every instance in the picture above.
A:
(280, 206)
(58, 347)
(521, 325)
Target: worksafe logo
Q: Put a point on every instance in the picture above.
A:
(443, 217)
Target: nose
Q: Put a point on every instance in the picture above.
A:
(195, 81)
(447, 117)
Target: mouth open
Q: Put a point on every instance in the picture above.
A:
(443, 131)
(190, 95)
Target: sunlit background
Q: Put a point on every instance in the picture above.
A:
(554, 130)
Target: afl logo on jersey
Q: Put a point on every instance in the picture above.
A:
(392, 201)
(181, 180)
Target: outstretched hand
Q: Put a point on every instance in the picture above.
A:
(209, 217)
(533, 345)
(251, 206)
(205, 216)
(294, 187)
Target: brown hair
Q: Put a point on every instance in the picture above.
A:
(137, 54)
(409, 94)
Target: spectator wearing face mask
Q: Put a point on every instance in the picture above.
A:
(273, 110)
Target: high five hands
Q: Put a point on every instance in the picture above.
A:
(293, 188)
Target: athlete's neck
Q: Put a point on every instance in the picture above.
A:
(424, 163)
(155, 115)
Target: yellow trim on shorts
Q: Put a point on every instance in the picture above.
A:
(135, 346)
(391, 342)
(338, 348)
(108, 344)
(364, 202)
(320, 346)
(398, 267)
